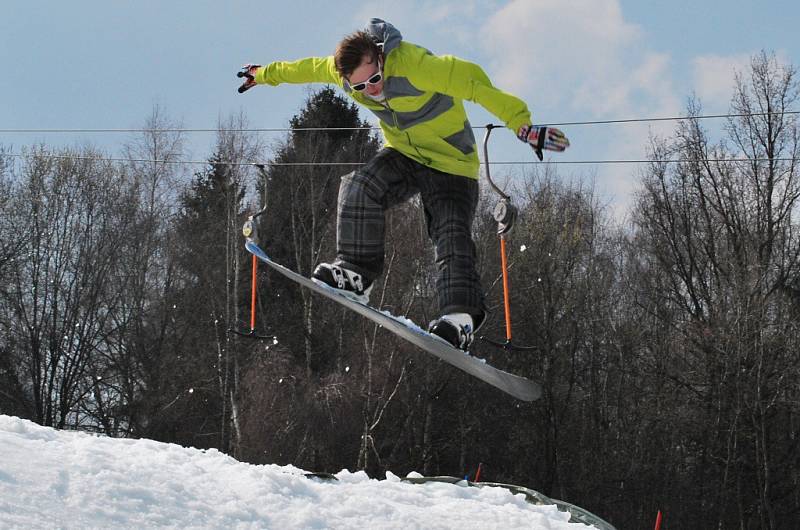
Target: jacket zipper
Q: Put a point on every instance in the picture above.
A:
(385, 104)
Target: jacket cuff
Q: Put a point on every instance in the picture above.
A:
(516, 123)
(261, 76)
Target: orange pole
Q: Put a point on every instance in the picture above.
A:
(478, 473)
(506, 296)
(253, 295)
(658, 521)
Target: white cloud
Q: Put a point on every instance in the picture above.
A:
(594, 62)
(713, 78)
(582, 60)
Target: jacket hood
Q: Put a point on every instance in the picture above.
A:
(384, 33)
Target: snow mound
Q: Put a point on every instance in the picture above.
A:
(66, 479)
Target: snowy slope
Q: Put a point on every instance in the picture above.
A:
(52, 478)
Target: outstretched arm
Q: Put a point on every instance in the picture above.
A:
(465, 80)
(308, 70)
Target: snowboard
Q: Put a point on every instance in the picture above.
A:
(519, 387)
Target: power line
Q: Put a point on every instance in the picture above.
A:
(374, 128)
(183, 130)
(327, 164)
(177, 162)
(675, 118)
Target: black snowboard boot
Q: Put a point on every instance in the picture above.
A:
(344, 281)
(455, 328)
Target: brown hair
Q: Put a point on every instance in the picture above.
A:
(351, 50)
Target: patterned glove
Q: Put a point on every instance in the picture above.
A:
(248, 71)
(540, 138)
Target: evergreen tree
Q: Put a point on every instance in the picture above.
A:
(189, 386)
(299, 227)
(299, 377)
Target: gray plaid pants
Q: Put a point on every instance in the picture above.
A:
(449, 202)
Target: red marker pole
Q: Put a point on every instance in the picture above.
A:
(253, 296)
(506, 293)
(658, 521)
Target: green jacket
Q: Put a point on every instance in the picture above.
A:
(424, 115)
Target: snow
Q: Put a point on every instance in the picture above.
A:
(68, 479)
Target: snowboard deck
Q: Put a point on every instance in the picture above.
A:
(514, 385)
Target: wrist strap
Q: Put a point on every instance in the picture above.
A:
(540, 141)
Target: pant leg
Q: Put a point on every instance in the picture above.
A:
(450, 202)
(364, 196)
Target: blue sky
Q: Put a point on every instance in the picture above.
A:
(105, 64)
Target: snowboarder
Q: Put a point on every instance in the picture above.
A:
(429, 149)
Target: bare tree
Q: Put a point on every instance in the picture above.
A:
(724, 239)
(235, 150)
(62, 292)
